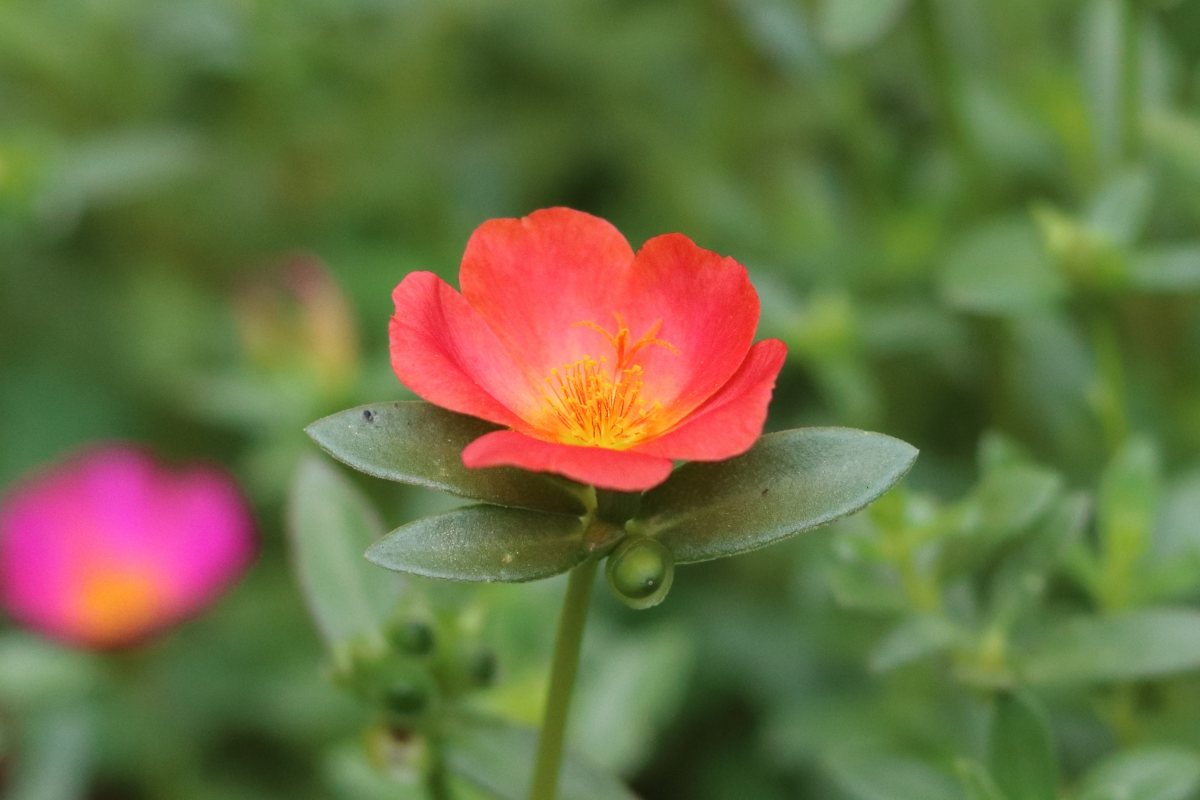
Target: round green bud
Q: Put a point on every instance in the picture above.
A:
(413, 637)
(640, 571)
(481, 666)
(406, 699)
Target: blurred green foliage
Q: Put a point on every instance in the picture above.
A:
(976, 224)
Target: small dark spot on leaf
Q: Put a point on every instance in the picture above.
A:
(764, 492)
(368, 415)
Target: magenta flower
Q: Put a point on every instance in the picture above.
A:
(108, 547)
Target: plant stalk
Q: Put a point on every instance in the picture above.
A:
(562, 680)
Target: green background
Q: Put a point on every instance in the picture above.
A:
(976, 224)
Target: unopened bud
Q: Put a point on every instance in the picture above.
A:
(640, 571)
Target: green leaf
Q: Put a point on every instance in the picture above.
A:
(1101, 22)
(484, 543)
(628, 697)
(1011, 499)
(1004, 506)
(977, 782)
(1021, 578)
(788, 483)
(1121, 208)
(1152, 773)
(55, 757)
(1166, 268)
(845, 25)
(1122, 647)
(330, 524)
(1001, 268)
(882, 776)
(418, 443)
(1128, 496)
(913, 639)
(497, 757)
(1021, 751)
(36, 674)
(1127, 505)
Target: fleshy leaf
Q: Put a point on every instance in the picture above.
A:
(1000, 269)
(1152, 773)
(913, 639)
(788, 483)
(1121, 647)
(846, 25)
(1166, 268)
(876, 776)
(56, 754)
(484, 543)
(977, 782)
(330, 524)
(1021, 751)
(496, 757)
(1121, 208)
(414, 442)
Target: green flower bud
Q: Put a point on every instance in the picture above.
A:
(640, 571)
(407, 699)
(481, 666)
(413, 637)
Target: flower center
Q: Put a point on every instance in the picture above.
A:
(596, 403)
(117, 602)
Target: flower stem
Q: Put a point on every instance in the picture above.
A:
(562, 681)
(437, 779)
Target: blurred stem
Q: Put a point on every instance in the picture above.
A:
(947, 85)
(1131, 38)
(562, 680)
(1108, 395)
(437, 779)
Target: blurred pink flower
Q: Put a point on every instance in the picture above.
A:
(108, 547)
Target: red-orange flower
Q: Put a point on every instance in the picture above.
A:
(603, 365)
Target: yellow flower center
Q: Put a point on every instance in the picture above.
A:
(117, 602)
(594, 403)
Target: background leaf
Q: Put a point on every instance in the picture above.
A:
(1120, 647)
(1001, 268)
(498, 758)
(787, 483)
(418, 443)
(1166, 268)
(54, 758)
(882, 776)
(1121, 208)
(845, 25)
(1020, 749)
(1151, 773)
(484, 543)
(330, 527)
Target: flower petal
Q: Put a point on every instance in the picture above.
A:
(709, 311)
(732, 419)
(536, 278)
(622, 470)
(446, 354)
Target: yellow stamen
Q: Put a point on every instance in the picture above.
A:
(590, 403)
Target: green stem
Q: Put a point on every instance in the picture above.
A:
(562, 681)
(437, 779)
(1131, 61)
(1108, 394)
